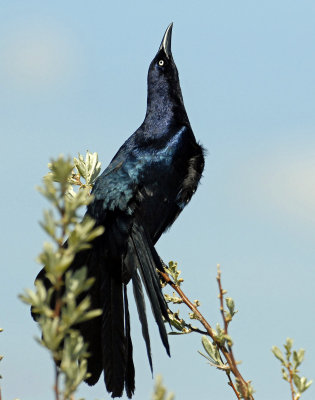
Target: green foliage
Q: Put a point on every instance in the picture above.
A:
(88, 169)
(64, 305)
(220, 347)
(213, 354)
(290, 362)
(160, 392)
(249, 392)
(174, 272)
(181, 326)
(221, 337)
(231, 307)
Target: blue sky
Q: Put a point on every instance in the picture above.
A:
(73, 77)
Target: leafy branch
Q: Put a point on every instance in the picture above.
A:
(290, 363)
(58, 301)
(221, 345)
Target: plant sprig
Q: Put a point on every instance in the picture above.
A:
(59, 301)
(221, 345)
(290, 363)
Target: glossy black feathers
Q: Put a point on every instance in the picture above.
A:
(139, 195)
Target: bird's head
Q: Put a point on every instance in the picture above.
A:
(163, 81)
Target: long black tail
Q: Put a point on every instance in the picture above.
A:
(109, 336)
(148, 263)
(116, 341)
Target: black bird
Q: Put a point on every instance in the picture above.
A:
(139, 195)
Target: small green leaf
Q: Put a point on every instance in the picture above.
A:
(285, 375)
(173, 299)
(49, 224)
(297, 382)
(307, 385)
(228, 340)
(300, 356)
(288, 348)
(174, 272)
(211, 349)
(278, 353)
(230, 305)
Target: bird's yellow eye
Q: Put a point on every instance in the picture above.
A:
(161, 62)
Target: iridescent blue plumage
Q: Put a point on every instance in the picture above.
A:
(116, 186)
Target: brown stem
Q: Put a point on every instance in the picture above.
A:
(221, 294)
(226, 324)
(226, 352)
(77, 178)
(291, 382)
(187, 302)
(232, 386)
(57, 305)
(58, 302)
(56, 387)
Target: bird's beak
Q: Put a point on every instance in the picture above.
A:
(166, 41)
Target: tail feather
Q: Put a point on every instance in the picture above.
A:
(130, 369)
(92, 329)
(155, 263)
(151, 281)
(118, 338)
(113, 335)
(106, 331)
(91, 332)
(139, 298)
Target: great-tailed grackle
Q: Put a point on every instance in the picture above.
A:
(139, 195)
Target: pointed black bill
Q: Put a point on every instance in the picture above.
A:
(166, 41)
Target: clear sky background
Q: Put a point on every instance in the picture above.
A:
(73, 77)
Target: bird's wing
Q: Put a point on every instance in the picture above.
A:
(128, 254)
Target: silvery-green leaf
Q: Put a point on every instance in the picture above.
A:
(211, 349)
(285, 375)
(300, 356)
(278, 353)
(307, 385)
(49, 224)
(228, 340)
(288, 347)
(297, 382)
(230, 305)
